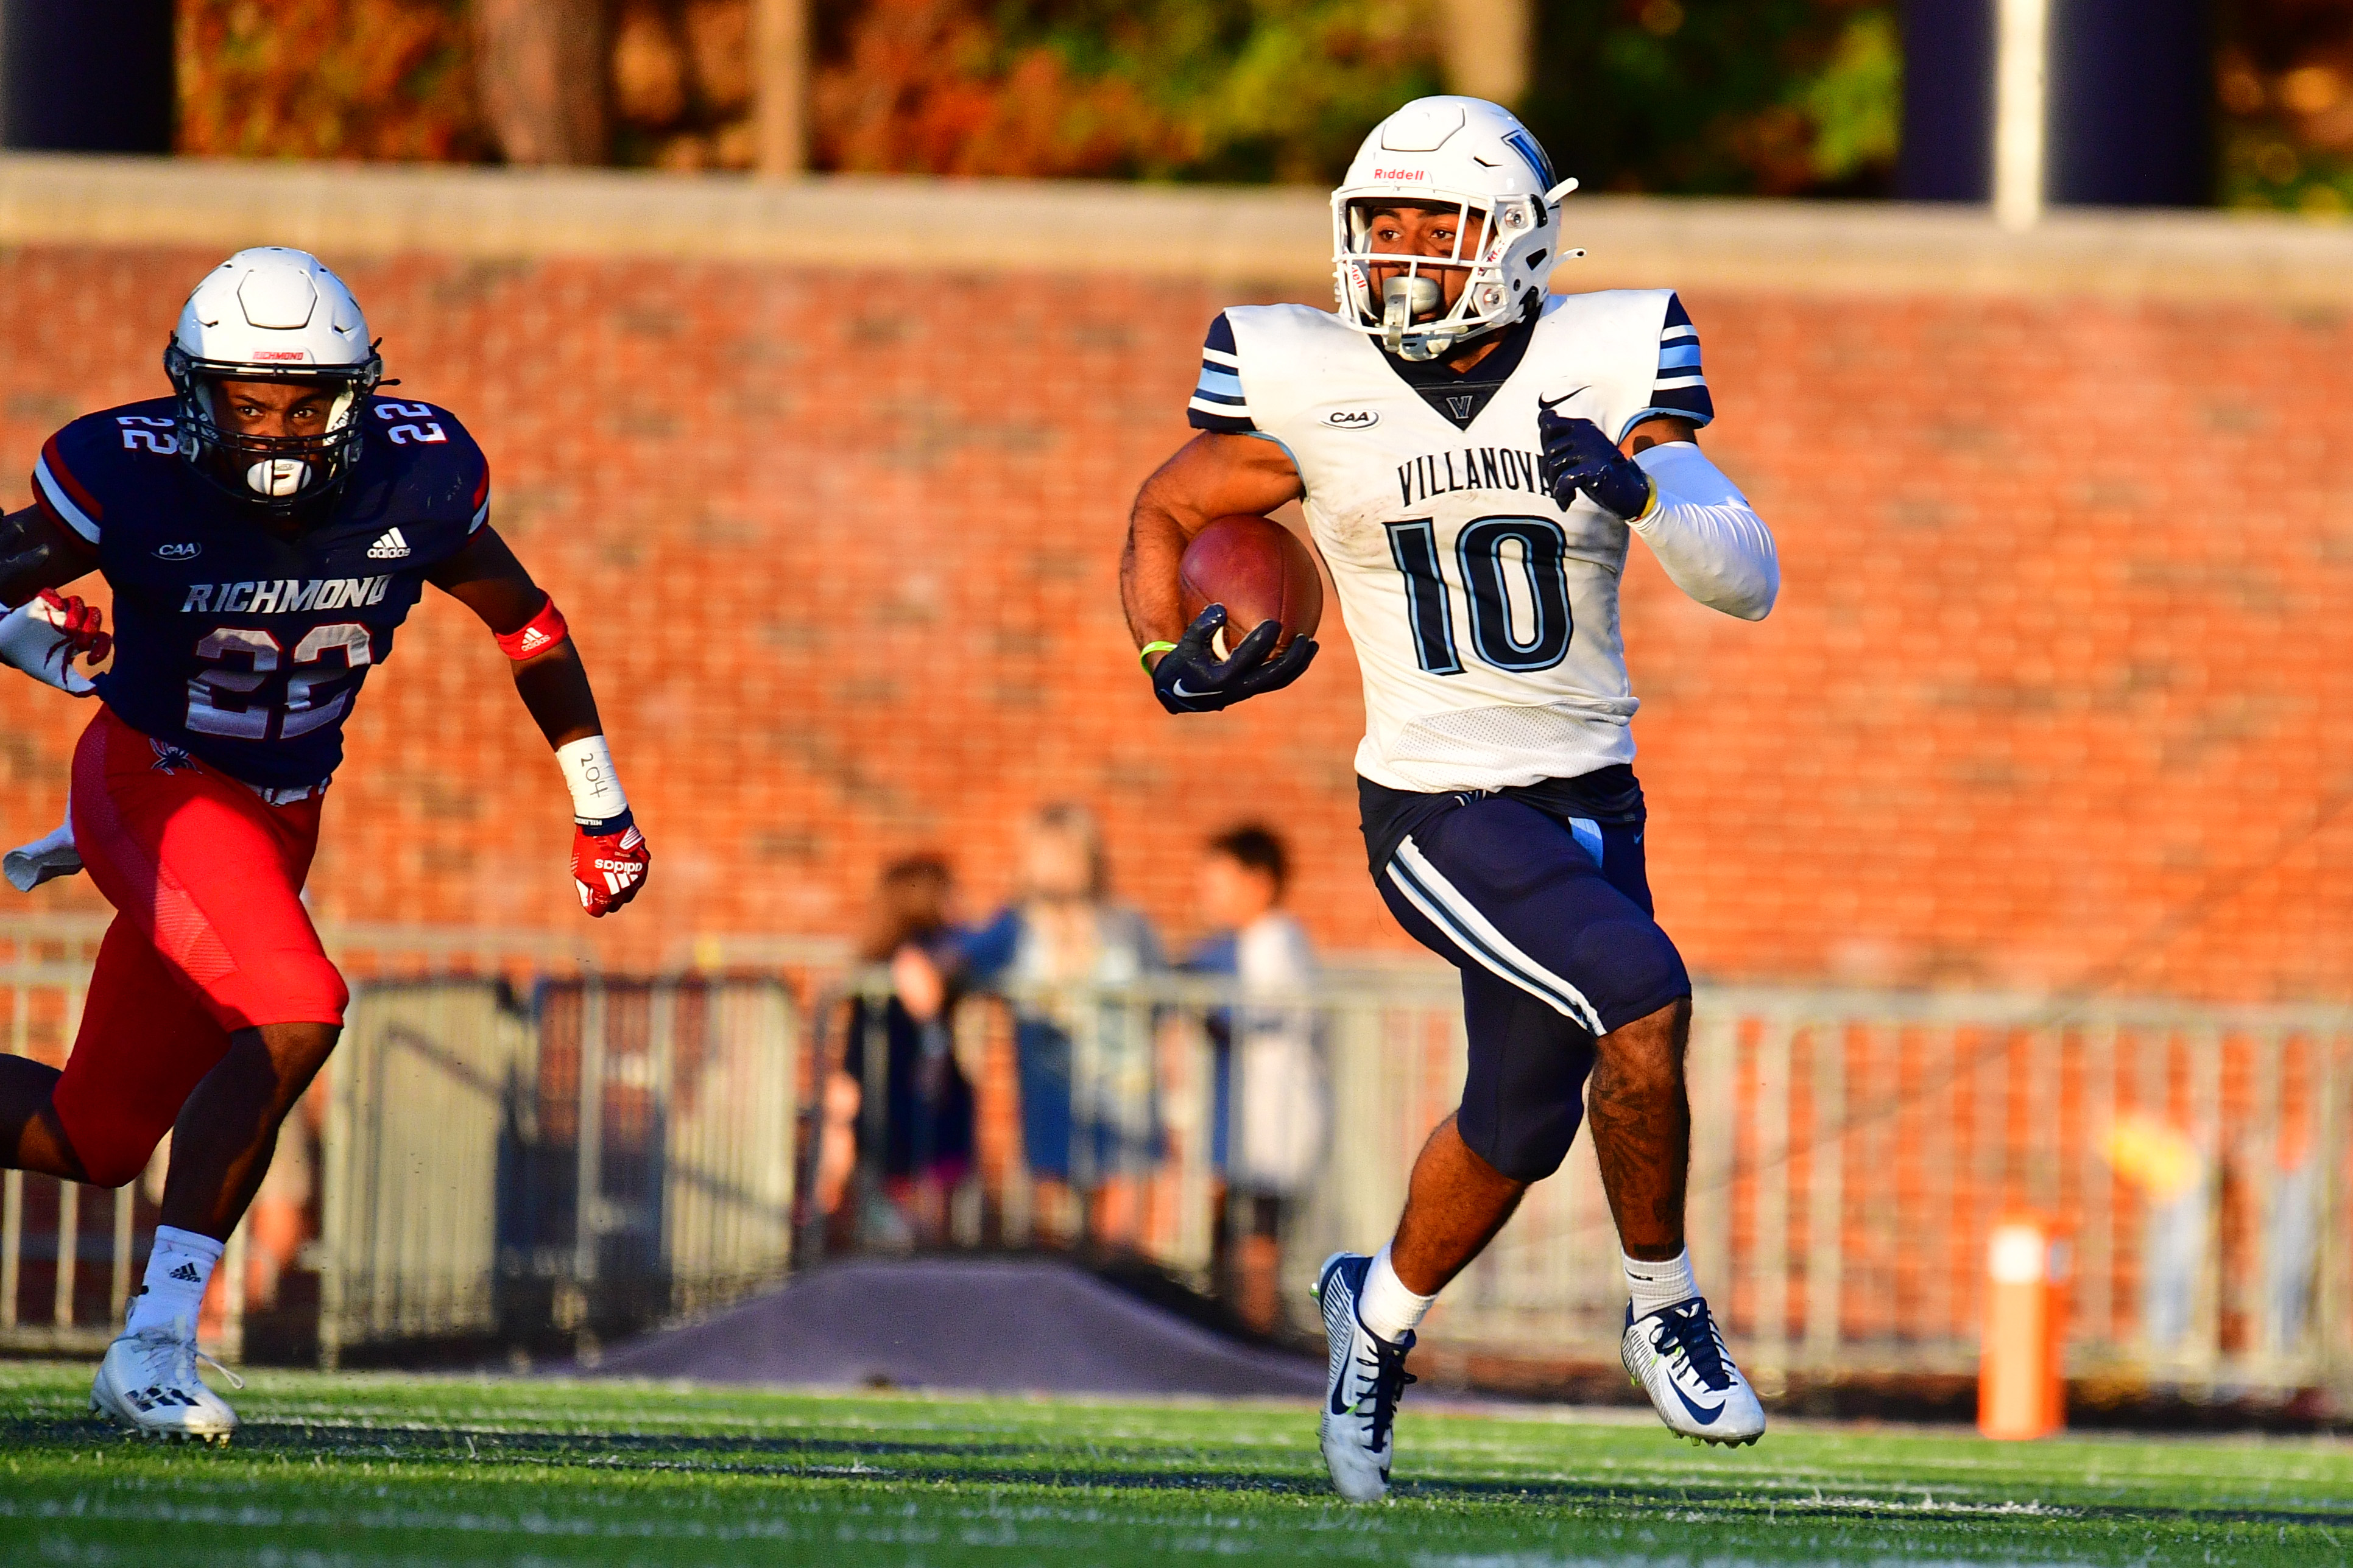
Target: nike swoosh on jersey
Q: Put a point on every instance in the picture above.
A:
(1543, 402)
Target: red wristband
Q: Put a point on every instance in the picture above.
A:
(542, 632)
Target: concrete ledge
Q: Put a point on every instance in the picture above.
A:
(1273, 238)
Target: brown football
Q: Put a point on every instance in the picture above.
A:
(1259, 571)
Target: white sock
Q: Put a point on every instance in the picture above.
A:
(1387, 1306)
(178, 1269)
(1651, 1286)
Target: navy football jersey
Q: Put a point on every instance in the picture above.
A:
(243, 648)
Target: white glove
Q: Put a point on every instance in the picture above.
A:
(28, 866)
(44, 635)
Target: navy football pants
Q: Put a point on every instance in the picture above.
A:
(1549, 921)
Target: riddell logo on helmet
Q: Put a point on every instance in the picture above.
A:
(1400, 174)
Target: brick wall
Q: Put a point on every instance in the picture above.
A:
(2055, 688)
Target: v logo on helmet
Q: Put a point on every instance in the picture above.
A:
(1526, 145)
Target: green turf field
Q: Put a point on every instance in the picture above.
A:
(382, 1469)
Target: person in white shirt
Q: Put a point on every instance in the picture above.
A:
(1272, 1115)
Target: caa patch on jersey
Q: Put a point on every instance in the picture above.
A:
(244, 648)
(1485, 616)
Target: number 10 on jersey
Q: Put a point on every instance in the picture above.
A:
(1505, 595)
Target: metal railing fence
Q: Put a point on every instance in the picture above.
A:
(589, 1159)
(50, 1297)
(484, 1080)
(515, 1145)
(70, 1255)
(1851, 1150)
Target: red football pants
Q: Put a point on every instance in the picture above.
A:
(209, 936)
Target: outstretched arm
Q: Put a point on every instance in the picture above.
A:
(487, 579)
(608, 857)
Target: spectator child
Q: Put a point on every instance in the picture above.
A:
(1062, 930)
(1271, 1114)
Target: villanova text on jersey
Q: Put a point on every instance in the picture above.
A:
(244, 647)
(1480, 469)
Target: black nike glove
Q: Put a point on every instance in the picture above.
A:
(1190, 679)
(1578, 456)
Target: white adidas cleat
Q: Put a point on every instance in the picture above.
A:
(1368, 1378)
(149, 1382)
(1677, 1356)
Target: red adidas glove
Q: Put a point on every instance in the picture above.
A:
(610, 866)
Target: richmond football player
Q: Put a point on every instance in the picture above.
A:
(264, 532)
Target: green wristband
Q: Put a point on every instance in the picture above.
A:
(1144, 655)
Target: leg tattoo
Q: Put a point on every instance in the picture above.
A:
(1642, 1129)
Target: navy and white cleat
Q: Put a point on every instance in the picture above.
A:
(1368, 1378)
(1677, 1356)
(149, 1382)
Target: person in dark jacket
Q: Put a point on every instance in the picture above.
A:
(920, 1144)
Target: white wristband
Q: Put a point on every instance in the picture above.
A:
(588, 774)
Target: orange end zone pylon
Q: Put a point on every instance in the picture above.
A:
(2022, 1387)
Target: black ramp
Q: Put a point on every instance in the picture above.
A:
(994, 1324)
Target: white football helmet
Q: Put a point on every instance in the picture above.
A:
(1470, 154)
(273, 314)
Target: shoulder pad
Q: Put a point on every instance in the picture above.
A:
(1219, 403)
(1645, 346)
(90, 463)
(439, 466)
(1280, 353)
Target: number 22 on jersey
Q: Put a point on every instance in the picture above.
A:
(231, 701)
(429, 431)
(1520, 618)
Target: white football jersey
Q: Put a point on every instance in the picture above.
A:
(1485, 616)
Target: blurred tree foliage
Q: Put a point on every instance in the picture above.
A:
(1771, 96)
(2284, 85)
(1720, 97)
(1205, 89)
(326, 79)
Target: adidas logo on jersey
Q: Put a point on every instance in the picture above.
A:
(391, 547)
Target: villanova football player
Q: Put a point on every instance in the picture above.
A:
(1475, 456)
(265, 532)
